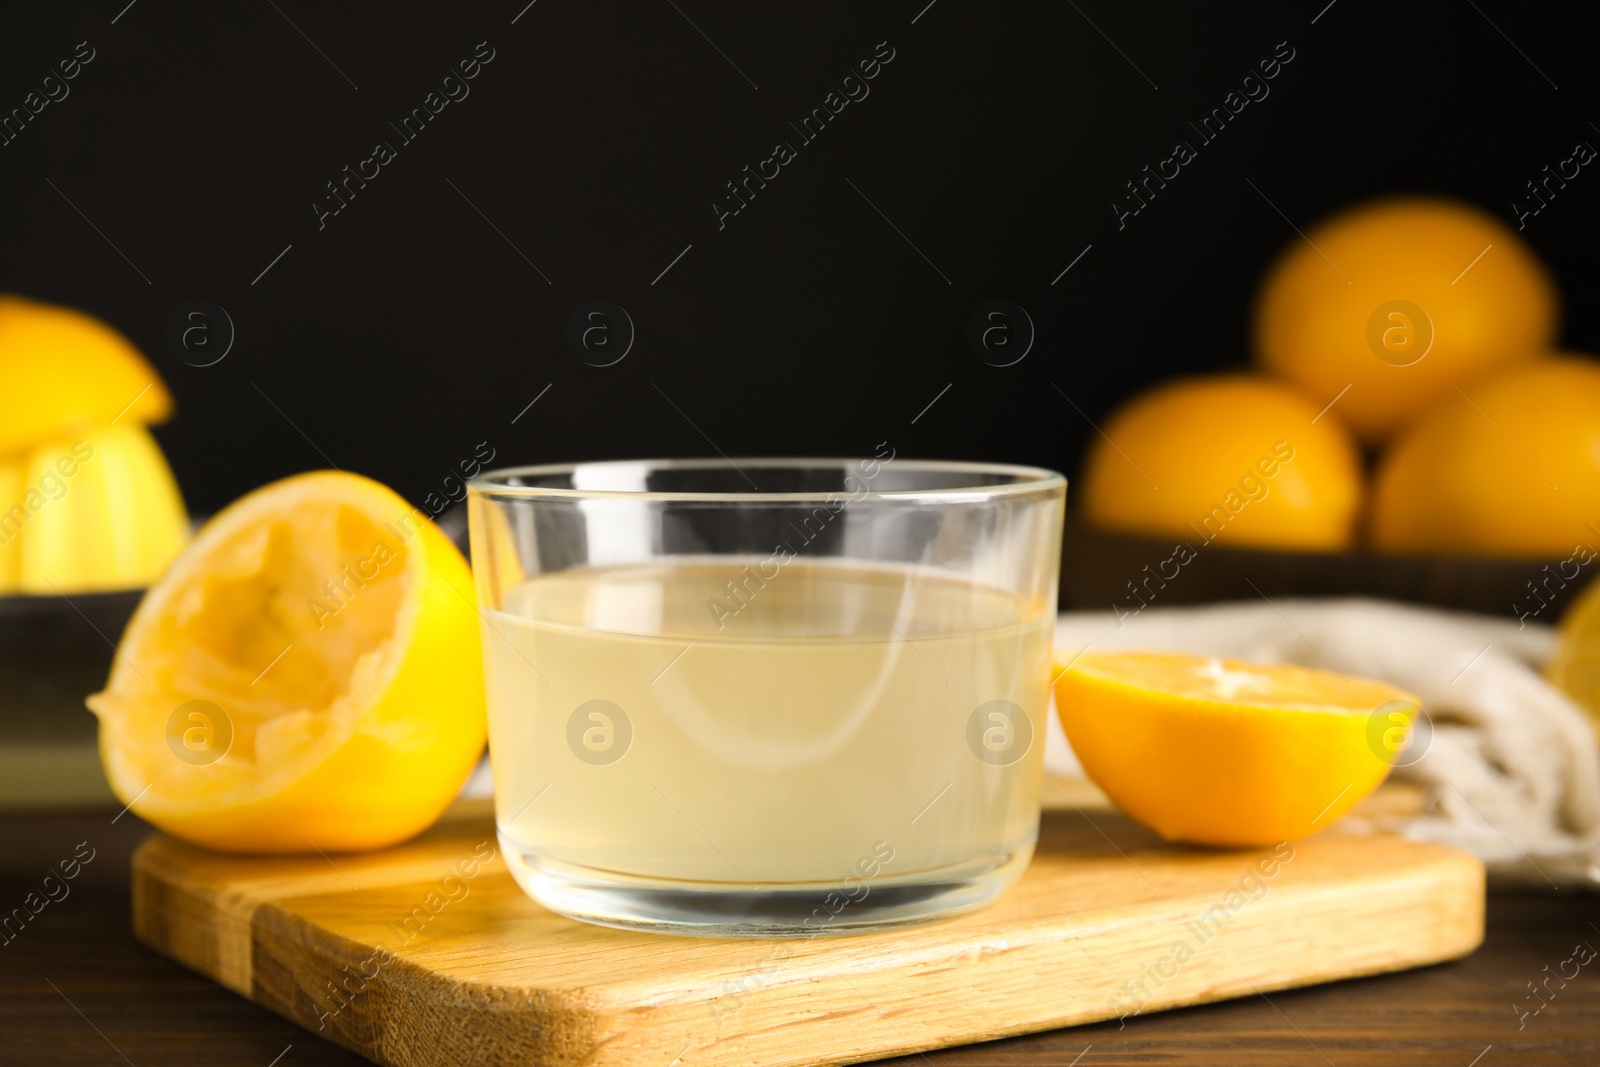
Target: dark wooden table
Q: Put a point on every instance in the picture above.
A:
(75, 987)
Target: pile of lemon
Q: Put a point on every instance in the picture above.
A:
(87, 502)
(1417, 334)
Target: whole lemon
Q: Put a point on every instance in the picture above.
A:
(1396, 299)
(1236, 458)
(1508, 465)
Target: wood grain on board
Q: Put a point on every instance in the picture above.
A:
(1106, 921)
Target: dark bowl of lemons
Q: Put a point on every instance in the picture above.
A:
(1408, 428)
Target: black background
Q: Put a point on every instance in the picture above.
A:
(407, 330)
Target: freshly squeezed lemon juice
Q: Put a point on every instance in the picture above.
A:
(843, 739)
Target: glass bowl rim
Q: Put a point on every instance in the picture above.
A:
(1028, 480)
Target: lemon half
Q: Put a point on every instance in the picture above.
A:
(1223, 752)
(306, 676)
(64, 370)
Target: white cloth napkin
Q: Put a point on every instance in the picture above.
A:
(1512, 770)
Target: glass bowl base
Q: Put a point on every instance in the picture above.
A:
(769, 910)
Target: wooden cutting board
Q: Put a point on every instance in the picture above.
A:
(386, 955)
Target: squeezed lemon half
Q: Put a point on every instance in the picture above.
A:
(306, 676)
